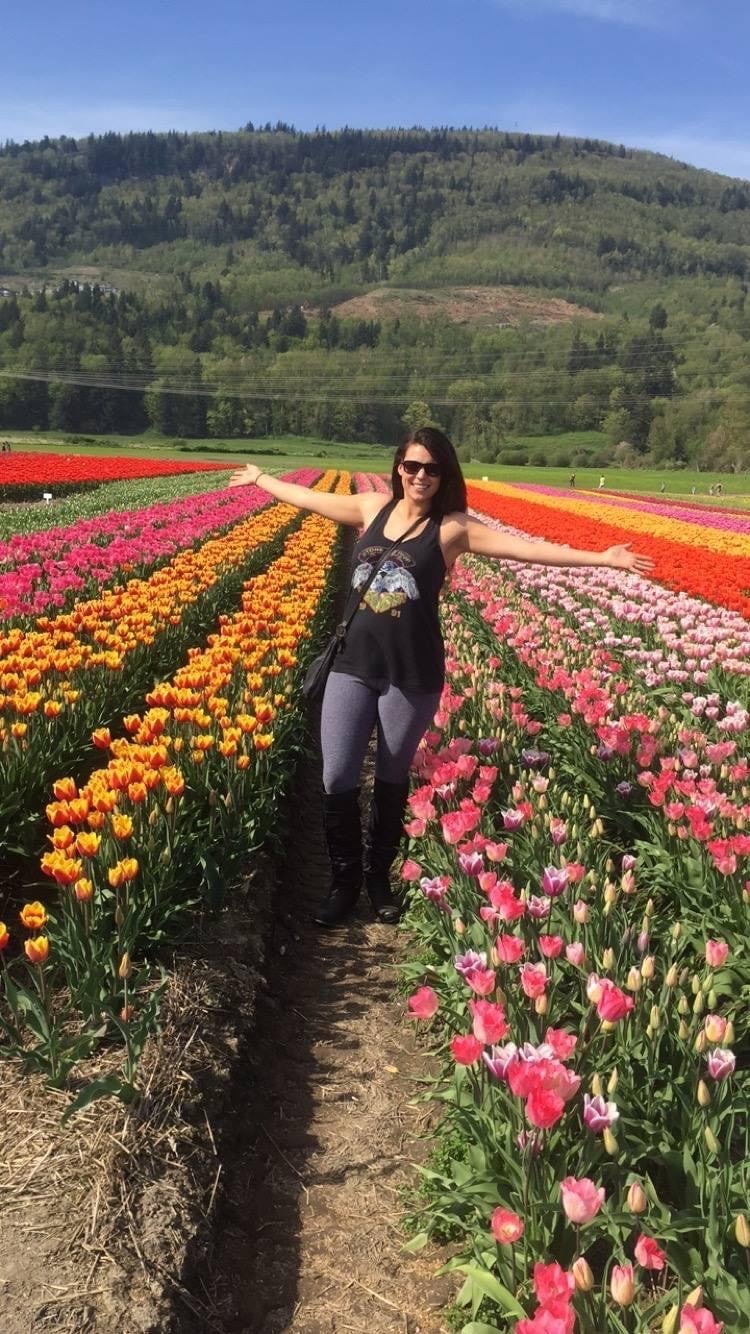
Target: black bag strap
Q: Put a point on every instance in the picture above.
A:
(343, 626)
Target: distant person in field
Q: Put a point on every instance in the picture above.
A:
(390, 673)
(572, 481)
(601, 482)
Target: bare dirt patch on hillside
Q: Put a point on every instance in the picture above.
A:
(463, 305)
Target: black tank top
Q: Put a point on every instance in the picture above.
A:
(395, 633)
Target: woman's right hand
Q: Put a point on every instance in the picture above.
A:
(246, 476)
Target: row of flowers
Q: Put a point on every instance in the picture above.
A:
(49, 469)
(674, 766)
(708, 564)
(192, 787)
(75, 671)
(18, 520)
(730, 521)
(41, 572)
(595, 1118)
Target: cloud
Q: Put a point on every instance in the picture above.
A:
(632, 13)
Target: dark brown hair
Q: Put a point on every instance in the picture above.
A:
(451, 494)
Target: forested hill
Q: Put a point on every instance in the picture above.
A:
(514, 283)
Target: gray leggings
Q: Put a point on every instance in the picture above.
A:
(351, 708)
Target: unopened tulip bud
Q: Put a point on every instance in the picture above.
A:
(165, 856)
(610, 866)
(608, 960)
(610, 893)
(729, 1034)
(676, 931)
(700, 1042)
(711, 1140)
(459, 926)
(581, 1271)
(119, 916)
(707, 984)
(592, 811)
(622, 1284)
(125, 968)
(683, 1005)
(612, 1082)
(609, 1142)
(699, 1004)
(636, 1200)
(634, 982)
(671, 979)
(648, 967)
(683, 1032)
(703, 1094)
(591, 877)
(712, 999)
(494, 958)
(655, 1017)
(597, 1088)
(695, 1298)
(541, 1005)
(586, 801)
(742, 1231)
(597, 829)
(670, 1323)
(154, 816)
(649, 909)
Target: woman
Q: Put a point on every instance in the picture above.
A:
(391, 671)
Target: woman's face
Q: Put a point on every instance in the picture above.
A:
(418, 484)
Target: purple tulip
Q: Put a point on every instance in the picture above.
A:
(554, 881)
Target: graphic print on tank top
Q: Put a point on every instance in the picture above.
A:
(393, 584)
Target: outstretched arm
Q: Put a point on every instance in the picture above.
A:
(342, 509)
(481, 540)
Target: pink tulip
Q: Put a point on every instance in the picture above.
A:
(548, 1320)
(554, 881)
(552, 1283)
(622, 1284)
(697, 1320)
(551, 946)
(466, 1049)
(509, 949)
(534, 979)
(575, 954)
(648, 1254)
(423, 1003)
(581, 912)
(411, 870)
(717, 952)
(581, 1200)
(598, 1115)
(544, 1108)
(613, 1004)
(489, 1024)
(562, 1043)
(721, 1063)
(506, 1227)
(496, 852)
(481, 980)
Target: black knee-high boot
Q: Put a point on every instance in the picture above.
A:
(386, 831)
(343, 829)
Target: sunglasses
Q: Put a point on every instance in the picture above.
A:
(412, 467)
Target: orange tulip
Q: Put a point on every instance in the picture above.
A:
(88, 844)
(84, 890)
(122, 826)
(65, 789)
(37, 949)
(4, 936)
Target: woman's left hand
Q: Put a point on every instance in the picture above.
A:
(622, 558)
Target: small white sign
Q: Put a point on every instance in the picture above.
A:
(47, 496)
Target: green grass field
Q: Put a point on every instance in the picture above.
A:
(282, 453)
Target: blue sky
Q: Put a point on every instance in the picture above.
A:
(662, 74)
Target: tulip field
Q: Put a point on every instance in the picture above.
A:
(28, 475)
(577, 870)
(580, 880)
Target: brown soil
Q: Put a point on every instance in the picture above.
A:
(257, 1189)
(463, 305)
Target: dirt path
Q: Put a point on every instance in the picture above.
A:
(321, 1136)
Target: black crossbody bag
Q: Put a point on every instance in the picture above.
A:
(314, 683)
